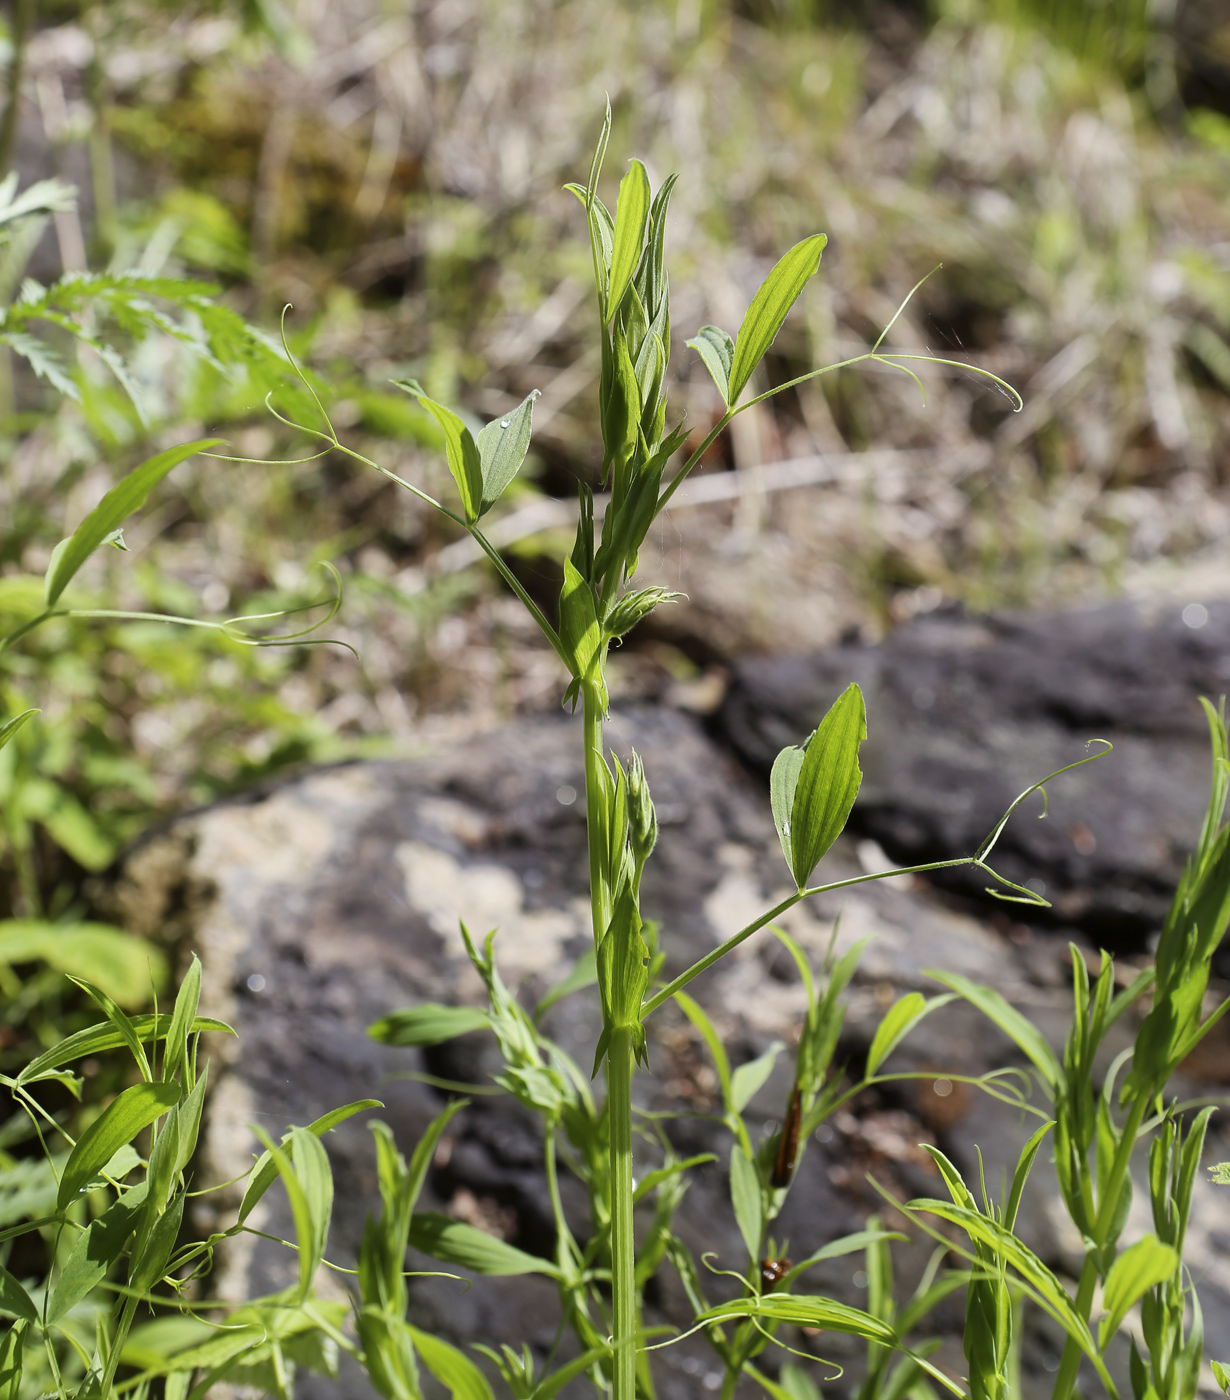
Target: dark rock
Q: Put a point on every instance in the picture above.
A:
(965, 713)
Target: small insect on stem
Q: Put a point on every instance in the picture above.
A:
(772, 1271)
(788, 1143)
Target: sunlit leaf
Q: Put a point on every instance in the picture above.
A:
(460, 448)
(778, 293)
(428, 1024)
(502, 446)
(631, 211)
(454, 1242)
(828, 782)
(115, 507)
(717, 350)
(127, 1114)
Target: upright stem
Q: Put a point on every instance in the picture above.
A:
(595, 803)
(623, 1246)
(619, 1067)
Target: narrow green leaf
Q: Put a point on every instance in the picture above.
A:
(452, 1368)
(460, 449)
(14, 1298)
(551, 1385)
(584, 974)
(747, 1199)
(265, 1172)
(828, 782)
(631, 211)
(578, 622)
(121, 1022)
(12, 1344)
(1221, 1374)
(311, 1163)
(502, 446)
(187, 1000)
(1047, 1289)
(300, 1207)
(717, 350)
(1137, 1269)
(127, 1114)
(425, 1151)
(125, 497)
(1015, 1026)
(148, 1266)
(836, 1249)
(654, 1179)
(899, 1020)
(748, 1078)
(11, 726)
(428, 1024)
(696, 1014)
(93, 1040)
(454, 1242)
(805, 1310)
(778, 293)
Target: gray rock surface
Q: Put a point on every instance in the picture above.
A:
(331, 900)
(965, 713)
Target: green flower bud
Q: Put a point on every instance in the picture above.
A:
(642, 819)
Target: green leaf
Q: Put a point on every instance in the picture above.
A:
(452, 1368)
(265, 1172)
(309, 1188)
(828, 782)
(836, 1249)
(123, 965)
(899, 1020)
(578, 622)
(783, 783)
(115, 507)
(1048, 1291)
(1140, 1267)
(187, 1000)
(14, 1298)
(747, 1199)
(1221, 1374)
(428, 1024)
(696, 1014)
(120, 1021)
(148, 1266)
(454, 1242)
(778, 293)
(655, 1179)
(805, 1310)
(11, 726)
(717, 350)
(12, 1343)
(631, 211)
(127, 1114)
(584, 974)
(1015, 1026)
(96, 1250)
(425, 1151)
(460, 448)
(502, 446)
(748, 1078)
(93, 1040)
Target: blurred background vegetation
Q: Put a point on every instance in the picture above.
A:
(393, 170)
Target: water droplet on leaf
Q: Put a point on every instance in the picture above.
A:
(504, 422)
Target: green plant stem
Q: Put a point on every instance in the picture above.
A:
(1070, 1362)
(595, 813)
(623, 1245)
